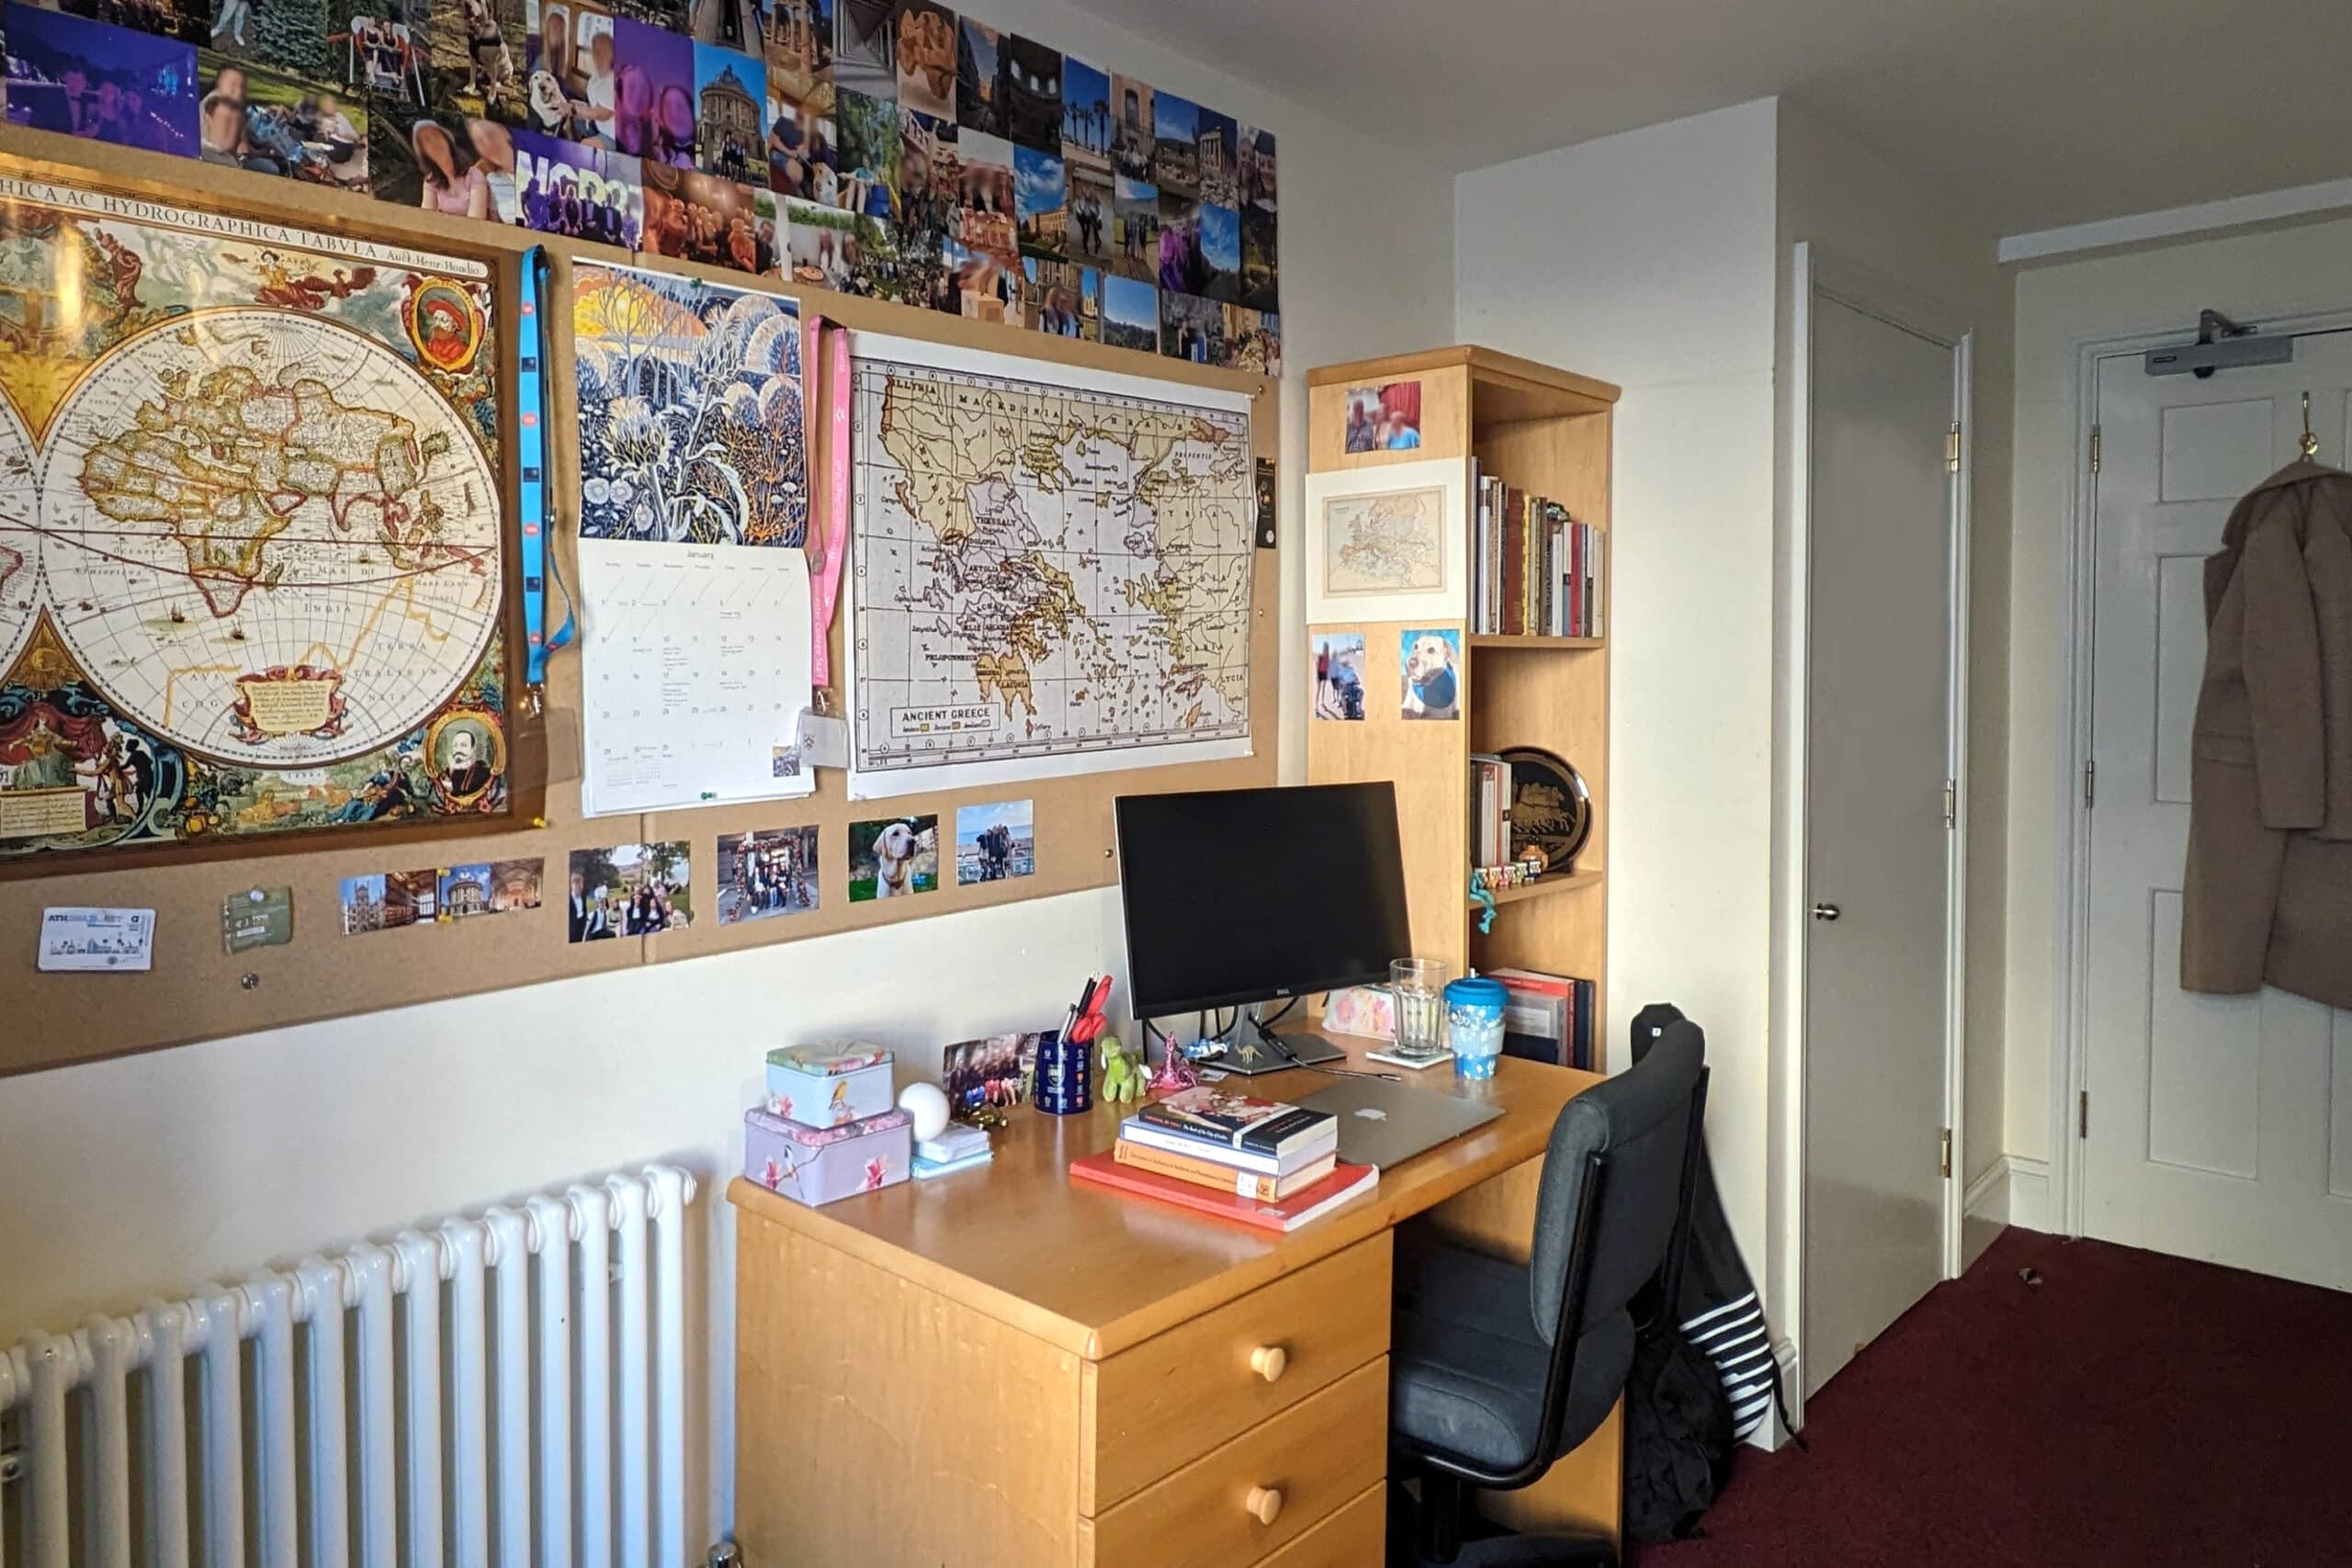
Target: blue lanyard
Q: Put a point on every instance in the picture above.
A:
(531, 397)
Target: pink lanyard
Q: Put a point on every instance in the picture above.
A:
(833, 519)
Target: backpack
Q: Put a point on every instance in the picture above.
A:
(1677, 1435)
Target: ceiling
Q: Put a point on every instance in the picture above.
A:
(2044, 114)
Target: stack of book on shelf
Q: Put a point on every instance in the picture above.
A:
(1234, 1155)
(1535, 570)
(1490, 797)
(1547, 1018)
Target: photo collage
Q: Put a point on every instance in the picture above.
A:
(892, 149)
(386, 900)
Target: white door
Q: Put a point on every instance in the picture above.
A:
(1877, 759)
(2219, 1127)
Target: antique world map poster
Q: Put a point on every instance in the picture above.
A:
(251, 563)
(1051, 570)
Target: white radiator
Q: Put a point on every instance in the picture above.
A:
(508, 1390)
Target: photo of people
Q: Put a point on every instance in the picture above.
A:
(994, 1072)
(1431, 662)
(1183, 252)
(1192, 328)
(984, 177)
(800, 151)
(259, 120)
(630, 890)
(1339, 675)
(766, 874)
(893, 858)
(1093, 212)
(866, 133)
(862, 39)
(380, 47)
(1061, 298)
(930, 164)
(579, 191)
(698, 217)
(982, 287)
(571, 63)
(995, 842)
(79, 78)
(730, 113)
(1133, 144)
(1040, 202)
(1386, 418)
(1135, 231)
(923, 45)
(1253, 341)
(653, 94)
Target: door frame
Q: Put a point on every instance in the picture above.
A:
(1821, 274)
(2070, 1028)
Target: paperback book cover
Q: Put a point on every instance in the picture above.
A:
(1238, 1121)
(1222, 1178)
(1345, 1181)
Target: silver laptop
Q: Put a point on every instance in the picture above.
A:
(1383, 1123)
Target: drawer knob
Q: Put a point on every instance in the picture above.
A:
(1269, 1362)
(1265, 1504)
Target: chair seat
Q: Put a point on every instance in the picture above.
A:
(1467, 1372)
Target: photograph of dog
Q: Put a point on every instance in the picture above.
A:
(893, 858)
(1432, 662)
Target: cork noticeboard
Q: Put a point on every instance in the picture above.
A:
(197, 990)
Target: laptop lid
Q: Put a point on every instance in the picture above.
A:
(1384, 1124)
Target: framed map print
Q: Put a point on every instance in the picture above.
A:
(1388, 544)
(252, 558)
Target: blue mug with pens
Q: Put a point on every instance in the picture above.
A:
(1066, 1055)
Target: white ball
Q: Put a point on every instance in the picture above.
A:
(927, 1103)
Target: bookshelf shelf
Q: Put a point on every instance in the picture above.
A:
(1544, 887)
(1537, 644)
(1544, 432)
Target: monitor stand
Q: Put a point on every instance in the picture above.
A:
(1252, 1048)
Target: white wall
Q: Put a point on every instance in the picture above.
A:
(1645, 259)
(2251, 277)
(1856, 208)
(154, 1173)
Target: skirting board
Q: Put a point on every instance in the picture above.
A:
(2014, 1190)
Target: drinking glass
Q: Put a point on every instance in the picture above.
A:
(1418, 986)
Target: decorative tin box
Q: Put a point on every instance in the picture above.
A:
(817, 1164)
(830, 1085)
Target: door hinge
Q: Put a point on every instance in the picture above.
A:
(1946, 1154)
(2094, 448)
(2082, 1114)
(1952, 802)
(2090, 786)
(1952, 449)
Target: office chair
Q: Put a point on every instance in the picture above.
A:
(1498, 1369)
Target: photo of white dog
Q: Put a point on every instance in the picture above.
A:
(893, 859)
(1431, 663)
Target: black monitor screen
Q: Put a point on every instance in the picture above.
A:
(1244, 895)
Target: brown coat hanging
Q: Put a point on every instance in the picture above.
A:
(2267, 897)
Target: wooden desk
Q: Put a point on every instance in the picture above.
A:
(1007, 1367)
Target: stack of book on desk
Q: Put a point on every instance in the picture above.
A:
(1232, 1155)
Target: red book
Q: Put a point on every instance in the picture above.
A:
(1285, 1215)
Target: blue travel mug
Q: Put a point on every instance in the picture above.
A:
(1473, 1025)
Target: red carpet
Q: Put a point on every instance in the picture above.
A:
(2129, 1409)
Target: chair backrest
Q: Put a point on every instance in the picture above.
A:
(1616, 1178)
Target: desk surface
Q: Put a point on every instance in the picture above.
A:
(1094, 1272)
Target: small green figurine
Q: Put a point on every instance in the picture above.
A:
(1121, 1078)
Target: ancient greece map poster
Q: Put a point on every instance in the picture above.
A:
(251, 564)
(694, 646)
(1051, 570)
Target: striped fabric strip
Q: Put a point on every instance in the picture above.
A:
(1733, 1336)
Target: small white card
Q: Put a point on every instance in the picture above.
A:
(82, 938)
(823, 739)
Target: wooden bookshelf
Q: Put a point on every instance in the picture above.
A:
(1547, 430)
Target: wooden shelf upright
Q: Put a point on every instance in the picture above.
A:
(1546, 430)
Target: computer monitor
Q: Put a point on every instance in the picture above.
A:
(1238, 896)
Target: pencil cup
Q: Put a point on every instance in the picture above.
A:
(1065, 1076)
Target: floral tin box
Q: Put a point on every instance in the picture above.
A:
(817, 1164)
(830, 1085)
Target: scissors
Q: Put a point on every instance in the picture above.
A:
(1091, 1004)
